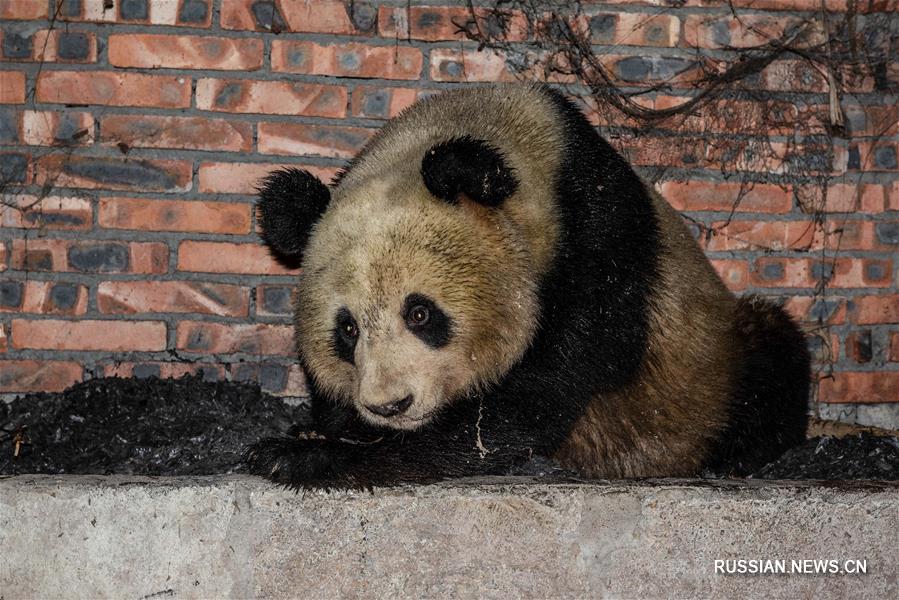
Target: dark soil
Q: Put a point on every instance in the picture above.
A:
(192, 427)
(139, 426)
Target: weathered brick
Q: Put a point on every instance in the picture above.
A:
(435, 23)
(271, 97)
(700, 195)
(128, 297)
(873, 310)
(174, 215)
(12, 87)
(115, 173)
(15, 167)
(633, 29)
(829, 309)
(271, 377)
(894, 346)
(17, 43)
(653, 69)
(347, 59)
(860, 387)
(244, 338)
(242, 178)
(744, 31)
(193, 133)
(859, 346)
(53, 128)
(196, 13)
(23, 10)
(448, 64)
(114, 89)
(311, 140)
(165, 370)
(841, 197)
(792, 76)
(734, 273)
(4, 346)
(50, 212)
(375, 102)
(274, 300)
(226, 257)
(151, 51)
(21, 376)
(38, 254)
(43, 297)
(59, 45)
(89, 334)
(323, 16)
(765, 235)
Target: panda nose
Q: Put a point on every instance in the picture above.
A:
(392, 409)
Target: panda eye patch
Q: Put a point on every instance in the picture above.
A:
(426, 321)
(346, 332)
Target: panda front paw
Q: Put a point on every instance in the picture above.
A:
(306, 462)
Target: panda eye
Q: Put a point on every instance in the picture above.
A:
(346, 332)
(418, 316)
(427, 321)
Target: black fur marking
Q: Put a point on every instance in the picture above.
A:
(438, 329)
(769, 403)
(468, 166)
(344, 341)
(290, 202)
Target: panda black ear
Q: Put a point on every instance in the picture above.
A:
(468, 166)
(290, 202)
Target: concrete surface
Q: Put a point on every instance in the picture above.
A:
(134, 537)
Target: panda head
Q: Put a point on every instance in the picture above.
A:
(417, 287)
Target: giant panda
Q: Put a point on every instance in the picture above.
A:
(488, 280)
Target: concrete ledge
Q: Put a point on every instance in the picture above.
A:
(78, 537)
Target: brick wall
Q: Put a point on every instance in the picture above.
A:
(132, 133)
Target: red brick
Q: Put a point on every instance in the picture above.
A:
(245, 338)
(190, 133)
(4, 343)
(184, 52)
(48, 297)
(23, 9)
(274, 300)
(113, 336)
(734, 273)
(874, 310)
(765, 235)
(272, 97)
(435, 23)
(448, 64)
(792, 76)
(226, 257)
(322, 16)
(20, 376)
(45, 46)
(128, 297)
(860, 387)
(39, 254)
(841, 197)
(12, 87)
(744, 32)
(114, 89)
(894, 346)
(53, 128)
(892, 196)
(311, 140)
(808, 309)
(174, 215)
(166, 370)
(633, 29)
(296, 383)
(858, 346)
(700, 195)
(861, 273)
(781, 272)
(791, 5)
(51, 212)
(377, 102)
(115, 173)
(347, 59)
(242, 178)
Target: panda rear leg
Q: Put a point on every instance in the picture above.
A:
(769, 402)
